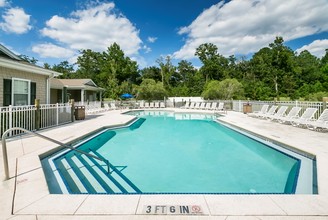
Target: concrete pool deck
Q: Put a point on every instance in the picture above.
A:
(25, 195)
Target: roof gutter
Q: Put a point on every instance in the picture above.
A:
(28, 68)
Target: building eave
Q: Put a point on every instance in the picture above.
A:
(27, 68)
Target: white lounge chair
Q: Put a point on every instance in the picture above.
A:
(214, 106)
(305, 118)
(142, 104)
(162, 105)
(192, 105)
(208, 105)
(270, 112)
(186, 105)
(220, 106)
(156, 105)
(263, 110)
(113, 106)
(106, 107)
(280, 113)
(197, 105)
(320, 123)
(146, 104)
(202, 105)
(293, 113)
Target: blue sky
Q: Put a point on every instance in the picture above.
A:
(54, 31)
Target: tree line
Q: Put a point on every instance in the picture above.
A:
(274, 72)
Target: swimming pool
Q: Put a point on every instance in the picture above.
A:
(166, 152)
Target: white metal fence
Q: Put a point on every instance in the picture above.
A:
(26, 117)
(238, 105)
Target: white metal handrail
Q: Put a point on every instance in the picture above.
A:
(5, 155)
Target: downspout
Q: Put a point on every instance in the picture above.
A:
(48, 88)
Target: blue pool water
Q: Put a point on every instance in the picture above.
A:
(165, 152)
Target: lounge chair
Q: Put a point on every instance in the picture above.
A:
(214, 106)
(156, 105)
(304, 119)
(197, 105)
(263, 110)
(293, 113)
(151, 105)
(221, 108)
(106, 107)
(162, 105)
(146, 104)
(280, 113)
(320, 123)
(208, 105)
(113, 106)
(202, 105)
(192, 105)
(142, 104)
(270, 112)
(186, 105)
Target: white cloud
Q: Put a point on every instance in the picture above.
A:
(94, 28)
(3, 3)
(316, 48)
(151, 39)
(51, 50)
(15, 21)
(245, 26)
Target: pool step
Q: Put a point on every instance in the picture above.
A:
(83, 174)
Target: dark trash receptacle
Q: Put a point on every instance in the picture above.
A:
(247, 108)
(79, 112)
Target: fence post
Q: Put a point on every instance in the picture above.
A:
(37, 114)
(10, 121)
(57, 114)
(324, 103)
(72, 109)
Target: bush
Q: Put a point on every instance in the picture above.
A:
(226, 89)
(150, 90)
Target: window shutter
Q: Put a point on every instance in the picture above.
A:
(6, 92)
(33, 93)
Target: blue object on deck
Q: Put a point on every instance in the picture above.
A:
(127, 96)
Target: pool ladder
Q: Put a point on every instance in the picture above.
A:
(5, 154)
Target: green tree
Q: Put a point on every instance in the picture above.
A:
(28, 59)
(167, 71)
(150, 90)
(151, 72)
(226, 89)
(65, 68)
(214, 64)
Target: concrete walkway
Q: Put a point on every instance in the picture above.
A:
(25, 195)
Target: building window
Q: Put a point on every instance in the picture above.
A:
(18, 92)
(21, 92)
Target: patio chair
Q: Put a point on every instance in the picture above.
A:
(146, 104)
(270, 112)
(192, 105)
(202, 105)
(186, 105)
(280, 113)
(113, 106)
(304, 119)
(142, 104)
(208, 105)
(106, 107)
(197, 105)
(220, 108)
(291, 114)
(263, 110)
(214, 106)
(320, 123)
(162, 105)
(156, 105)
(151, 105)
